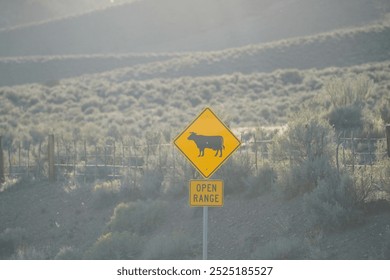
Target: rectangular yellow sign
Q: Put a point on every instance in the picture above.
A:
(206, 193)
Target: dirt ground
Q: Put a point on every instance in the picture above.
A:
(54, 216)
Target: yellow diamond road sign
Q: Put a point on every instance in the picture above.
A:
(207, 143)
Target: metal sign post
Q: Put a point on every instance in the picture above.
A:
(205, 220)
(206, 193)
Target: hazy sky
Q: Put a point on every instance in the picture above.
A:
(16, 12)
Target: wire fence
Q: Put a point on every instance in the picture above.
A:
(59, 159)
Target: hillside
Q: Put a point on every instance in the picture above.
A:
(341, 48)
(22, 12)
(185, 25)
(50, 69)
(112, 106)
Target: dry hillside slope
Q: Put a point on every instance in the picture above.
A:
(185, 25)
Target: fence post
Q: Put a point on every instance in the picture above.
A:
(19, 155)
(388, 139)
(28, 159)
(96, 162)
(255, 142)
(2, 178)
(86, 160)
(353, 151)
(337, 152)
(51, 158)
(114, 159)
(74, 159)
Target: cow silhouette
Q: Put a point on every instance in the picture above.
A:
(210, 142)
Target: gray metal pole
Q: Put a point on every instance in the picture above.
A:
(205, 218)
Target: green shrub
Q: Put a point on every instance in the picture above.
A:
(141, 217)
(116, 246)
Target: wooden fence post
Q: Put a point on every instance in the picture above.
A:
(51, 158)
(388, 139)
(2, 178)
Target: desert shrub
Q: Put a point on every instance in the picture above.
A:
(10, 240)
(195, 101)
(177, 246)
(373, 126)
(282, 248)
(351, 91)
(141, 217)
(383, 175)
(347, 97)
(116, 246)
(261, 182)
(348, 117)
(364, 183)
(331, 205)
(291, 77)
(31, 253)
(235, 173)
(176, 189)
(151, 183)
(175, 185)
(304, 154)
(303, 177)
(385, 110)
(68, 253)
(11, 183)
(106, 193)
(312, 82)
(307, 136)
